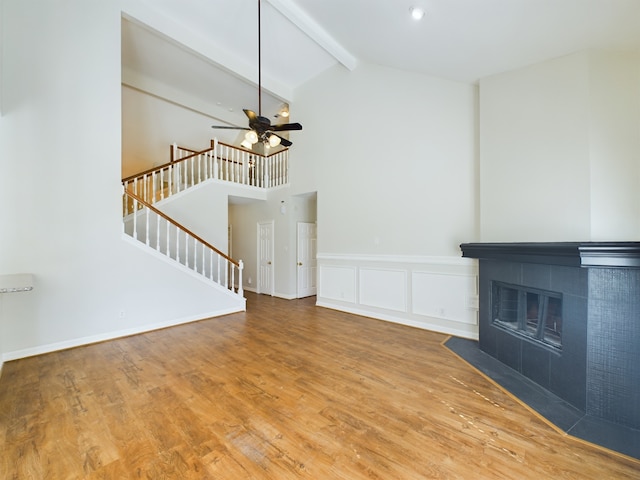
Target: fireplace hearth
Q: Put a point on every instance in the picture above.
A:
(566, 315)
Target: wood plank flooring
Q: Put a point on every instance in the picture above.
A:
(286, 390)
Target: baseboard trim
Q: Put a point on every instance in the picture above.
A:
(83, 341)
(424, 325)
(276, 294)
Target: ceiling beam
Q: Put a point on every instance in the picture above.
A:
(139, 12)
(313, 30)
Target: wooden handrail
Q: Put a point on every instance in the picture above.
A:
(164, 165)
(167, 165)
(171, 151)
(181, 227)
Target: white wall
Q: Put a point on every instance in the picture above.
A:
(560, 150)
(614, 142)
(151, 124)
(60, 153)
(393, 158)
(203, 210)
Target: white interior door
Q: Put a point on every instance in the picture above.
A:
(265, 258)
(307, 263)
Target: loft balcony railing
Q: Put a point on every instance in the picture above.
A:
(221, 162)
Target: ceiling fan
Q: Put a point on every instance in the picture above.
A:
(260, 130)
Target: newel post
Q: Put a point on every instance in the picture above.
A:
(240, 267)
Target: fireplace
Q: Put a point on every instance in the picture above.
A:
(567, 316)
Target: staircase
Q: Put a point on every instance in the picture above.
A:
(220, 163)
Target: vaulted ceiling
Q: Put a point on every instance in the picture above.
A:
(208, 48)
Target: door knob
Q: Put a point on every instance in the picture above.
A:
(269, 263)
(299, 264)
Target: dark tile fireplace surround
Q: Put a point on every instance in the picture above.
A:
(566, 315)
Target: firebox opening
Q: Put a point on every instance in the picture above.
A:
(535, 314)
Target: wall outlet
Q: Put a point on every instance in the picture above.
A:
(121, 314)
(249, 280)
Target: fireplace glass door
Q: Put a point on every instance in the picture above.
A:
(533, 313)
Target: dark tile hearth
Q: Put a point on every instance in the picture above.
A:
(568, 418)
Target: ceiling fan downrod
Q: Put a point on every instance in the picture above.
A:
(259, 63)
(260, 128)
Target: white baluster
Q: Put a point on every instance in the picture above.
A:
(233, 165)
(267, 178)
(260, 172)
(146, 226)
(194, 265)
(187, 249)
(177, 244)
(168, 238)
(192, 162)
(157, 232)
(274, 173)
(211, 264)
(206, 166)
(215, 158)
(135, 218)
(286, 162)
(226, 161)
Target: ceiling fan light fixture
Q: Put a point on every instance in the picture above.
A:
(246, 144)
(274, 140)
(417, 13)
(251, 136)
(284, 110)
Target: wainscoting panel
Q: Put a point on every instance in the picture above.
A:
(383, 288)
(448, 296)
(434, 293)
(337, 283)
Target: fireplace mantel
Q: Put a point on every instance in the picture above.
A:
(569, 254)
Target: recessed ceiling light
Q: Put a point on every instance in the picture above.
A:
(417, 13)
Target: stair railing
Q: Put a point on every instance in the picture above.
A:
(221, 162)
(145, 223)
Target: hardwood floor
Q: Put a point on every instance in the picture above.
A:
(286, 390)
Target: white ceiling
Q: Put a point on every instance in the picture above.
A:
(461, 40)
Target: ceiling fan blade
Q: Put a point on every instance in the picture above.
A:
(226, 127)
(286, 127)
(284, 142)
(250, 114)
